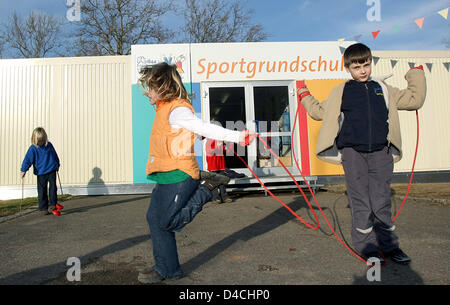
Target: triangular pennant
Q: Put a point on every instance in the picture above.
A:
(342, 50)
(419, 22)
(411, 65)
(357, 37)
(375, 60)
(447, 66)
(375, 34)
(396, 28)
(444, 13)
(393, 63)
(429, 66)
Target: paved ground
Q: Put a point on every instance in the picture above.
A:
(252, 241)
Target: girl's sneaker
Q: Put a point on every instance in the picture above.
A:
(59, 206)
(150, 276)
(227, 200)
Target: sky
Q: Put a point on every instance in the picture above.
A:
(321, 20)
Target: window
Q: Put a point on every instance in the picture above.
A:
(269, 107)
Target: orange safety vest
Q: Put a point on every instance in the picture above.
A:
(170, 148)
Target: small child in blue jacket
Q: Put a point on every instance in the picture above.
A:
(45, 161)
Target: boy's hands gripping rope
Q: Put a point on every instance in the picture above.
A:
(302, 91)
(418, 67)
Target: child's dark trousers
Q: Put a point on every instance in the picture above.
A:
(42, 182)
(368, 178)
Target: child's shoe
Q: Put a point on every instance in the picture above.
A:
(150, 276)
(59, 206)
(227, 200)
(212, 180)
(398, 256)
(54, 211)
(376, 255)
(204, 175)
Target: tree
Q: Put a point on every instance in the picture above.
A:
(110, 27)
(2, 44)
(220, 21)
(36, 36)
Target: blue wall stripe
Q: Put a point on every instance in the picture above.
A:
(143, 116)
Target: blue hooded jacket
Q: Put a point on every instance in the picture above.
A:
(43, 158)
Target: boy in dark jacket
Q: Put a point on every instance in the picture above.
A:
(361, 130)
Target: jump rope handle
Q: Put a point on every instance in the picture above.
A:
(60, 186)
(21, 201)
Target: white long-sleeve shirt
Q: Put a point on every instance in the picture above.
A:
(183, 117)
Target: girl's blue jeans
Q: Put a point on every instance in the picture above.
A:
(173, 206)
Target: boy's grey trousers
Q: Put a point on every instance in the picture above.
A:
(368, 177)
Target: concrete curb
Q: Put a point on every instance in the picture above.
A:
(436, 200)
(16, 215)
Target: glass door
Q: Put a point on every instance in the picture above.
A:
(266, 107)
(225, 104)
(227, 107)
(273, 111)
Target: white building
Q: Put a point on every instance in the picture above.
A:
(100, 123)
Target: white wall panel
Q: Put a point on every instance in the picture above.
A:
(83, 103)
(434, 123)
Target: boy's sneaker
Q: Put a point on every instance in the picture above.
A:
(150, 276)
(54, 211)
(59, 206)
(376, 255)
(398, 256)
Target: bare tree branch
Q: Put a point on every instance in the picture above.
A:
(220, 21)
(447, 43)
(110, 27)
(36, 36)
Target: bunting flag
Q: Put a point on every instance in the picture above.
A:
(419, 22)
(375, 60)
(447, 66)
(411, 65)
(393, 63)
(375, 34)
(429, 66)
(444, 13)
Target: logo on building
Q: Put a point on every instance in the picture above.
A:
(143, 61)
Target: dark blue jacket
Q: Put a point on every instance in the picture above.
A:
(43, 158)
(365, 126)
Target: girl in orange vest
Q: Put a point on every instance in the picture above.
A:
(181, 190)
